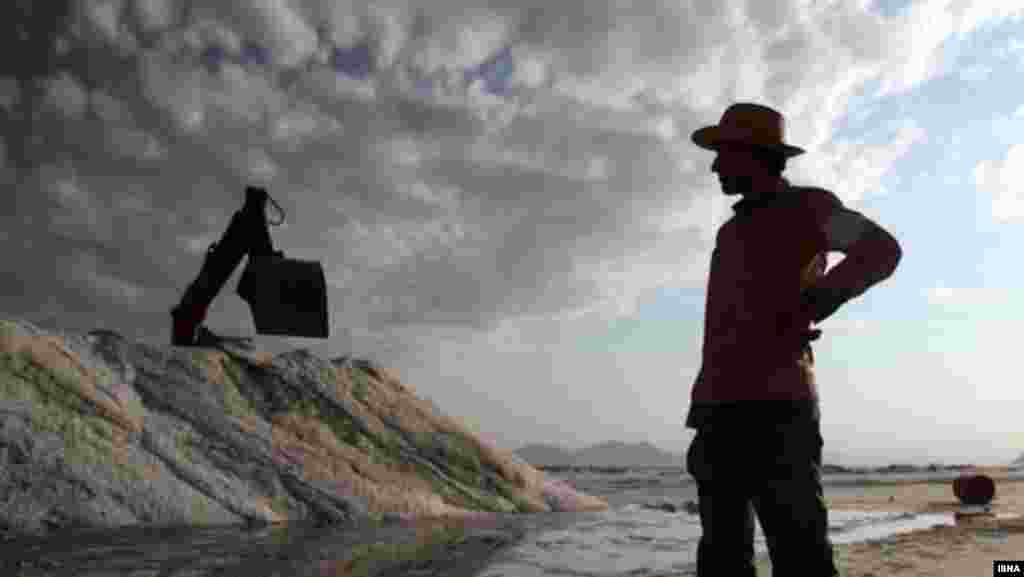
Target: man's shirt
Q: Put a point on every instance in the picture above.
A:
(771, 250)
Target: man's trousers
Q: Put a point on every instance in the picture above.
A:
(772, 470)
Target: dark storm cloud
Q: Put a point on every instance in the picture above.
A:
(453, 164)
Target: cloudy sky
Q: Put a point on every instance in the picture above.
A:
(507, 205)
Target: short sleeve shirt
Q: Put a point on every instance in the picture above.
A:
(764, 257)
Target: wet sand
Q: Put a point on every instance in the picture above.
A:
(969, 548)
(966, 549)
(930, 497)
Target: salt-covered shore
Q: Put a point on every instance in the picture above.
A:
(966, 548)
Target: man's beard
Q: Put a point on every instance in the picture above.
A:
(733, 185)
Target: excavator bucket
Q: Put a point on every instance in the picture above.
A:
(288, 297)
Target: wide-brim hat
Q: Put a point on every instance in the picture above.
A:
(748, 123)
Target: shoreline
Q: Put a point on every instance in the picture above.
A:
(444, 549)
(966, 548)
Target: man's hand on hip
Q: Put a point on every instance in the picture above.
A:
(818, 303)
(794, 327)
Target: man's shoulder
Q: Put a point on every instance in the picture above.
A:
(814, 195)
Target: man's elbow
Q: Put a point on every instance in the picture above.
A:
(889, 251)
(878, 250)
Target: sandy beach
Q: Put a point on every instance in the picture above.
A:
(967, 549)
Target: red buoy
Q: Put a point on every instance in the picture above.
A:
(974, 489)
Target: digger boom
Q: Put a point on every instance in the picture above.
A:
(247, 234)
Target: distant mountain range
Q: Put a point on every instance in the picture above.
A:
(545, 455)
(620, 454)
(608, 454)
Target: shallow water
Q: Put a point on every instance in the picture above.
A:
(172, 551)
(629, 539)
(633, 541)
(285, 551)
(625, 541)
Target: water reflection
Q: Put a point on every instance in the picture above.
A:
(295, 549)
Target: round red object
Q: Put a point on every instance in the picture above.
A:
(974, 489)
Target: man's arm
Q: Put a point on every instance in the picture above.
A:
(871, 256)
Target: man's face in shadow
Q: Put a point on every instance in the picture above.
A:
(739, 169)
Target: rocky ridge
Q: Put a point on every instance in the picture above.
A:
(98, 431)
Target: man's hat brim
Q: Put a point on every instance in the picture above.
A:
(710, 137)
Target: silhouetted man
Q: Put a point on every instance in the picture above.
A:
(754, 403)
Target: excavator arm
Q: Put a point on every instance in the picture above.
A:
(247, 234)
